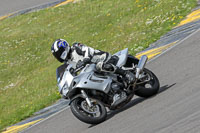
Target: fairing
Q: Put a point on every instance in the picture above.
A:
(122, 57)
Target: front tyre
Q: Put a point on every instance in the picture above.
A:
(91, 115)
(149, 88)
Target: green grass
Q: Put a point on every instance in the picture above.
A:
(27, 68)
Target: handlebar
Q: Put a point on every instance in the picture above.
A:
(78, 69)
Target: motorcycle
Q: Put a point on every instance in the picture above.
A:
(91, 93)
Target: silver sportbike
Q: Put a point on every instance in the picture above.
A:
(93, 93)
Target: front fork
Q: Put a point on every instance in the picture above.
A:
(86, 98)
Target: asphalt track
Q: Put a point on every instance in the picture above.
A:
(10, 6)
(175, 109)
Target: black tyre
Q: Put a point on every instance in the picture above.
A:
(83, 112)
(149, 88)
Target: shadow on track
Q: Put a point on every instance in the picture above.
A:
(133, 103)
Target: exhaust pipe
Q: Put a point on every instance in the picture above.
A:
(141, 65)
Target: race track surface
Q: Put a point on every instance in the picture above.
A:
(10, 6)
(175, 109)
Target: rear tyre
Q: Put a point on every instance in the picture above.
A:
(91, 115)
(149, 88)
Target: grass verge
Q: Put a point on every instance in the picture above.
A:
(27, 68)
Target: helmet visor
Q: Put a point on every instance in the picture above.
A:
(64, 55)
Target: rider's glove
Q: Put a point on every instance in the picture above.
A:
(83, 63)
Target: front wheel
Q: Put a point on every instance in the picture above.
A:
(148, 88)
(91, 115)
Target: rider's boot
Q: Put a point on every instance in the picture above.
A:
(105, 67)
(128, 76)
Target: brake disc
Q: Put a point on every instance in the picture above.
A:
(92, 110)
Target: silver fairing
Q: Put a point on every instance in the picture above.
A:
(91, 80)
(88, 79)
(66, 81)
(122, 57)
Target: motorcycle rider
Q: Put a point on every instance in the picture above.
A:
(79, 55)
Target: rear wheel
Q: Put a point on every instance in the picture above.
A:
(149, 88)
(91, 115)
